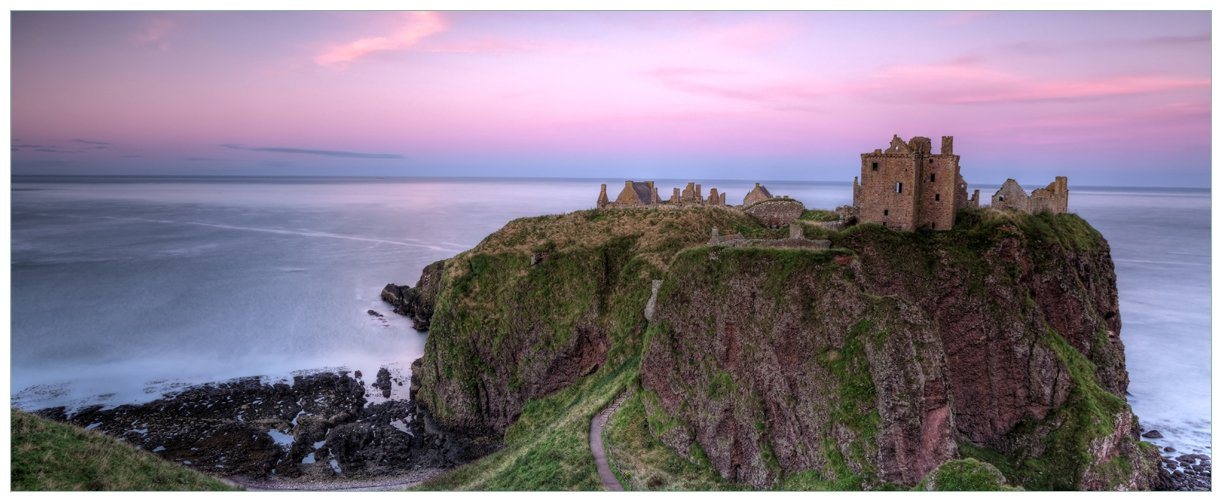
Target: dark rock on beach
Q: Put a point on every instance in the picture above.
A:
(383, 382)
(1188, 472)
(316, 428)
(1152, 435)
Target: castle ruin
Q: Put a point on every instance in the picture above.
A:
(1053, 198)
(905, 187)
(645, 194)
(908, 186)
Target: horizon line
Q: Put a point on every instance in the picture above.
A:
(518, 178)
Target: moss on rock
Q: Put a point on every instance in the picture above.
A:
(966, 475)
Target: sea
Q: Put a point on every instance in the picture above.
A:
(128, 288)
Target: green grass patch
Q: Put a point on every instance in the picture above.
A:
(548, 447)
(970, 475)
(819, 215)
(642, 462)
(50, 456)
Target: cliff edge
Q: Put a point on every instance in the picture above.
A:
(867, 365)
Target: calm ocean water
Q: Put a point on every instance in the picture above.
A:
(127, 288)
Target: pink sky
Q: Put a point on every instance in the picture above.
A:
(1106, 98)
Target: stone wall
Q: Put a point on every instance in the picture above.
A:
(886, 190)
(776, 212)
(938, 191)
(1051, 199)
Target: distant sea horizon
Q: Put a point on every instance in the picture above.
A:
(595, 179)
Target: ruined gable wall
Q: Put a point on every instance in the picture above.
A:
(1011, 196)
(628, 196)
(880, 203)
(757, 194)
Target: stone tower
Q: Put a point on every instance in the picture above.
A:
(907, 186)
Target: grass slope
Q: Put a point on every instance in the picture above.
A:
(52, 456)
(548, 447)
(642, 462)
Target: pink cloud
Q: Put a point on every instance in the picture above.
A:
(497, 45)
(417, 27)
(968, 81)
(1082, 89)
(962, 18)
(751, 36)
(731, 85)
(155, 32)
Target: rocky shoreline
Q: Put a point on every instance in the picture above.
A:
(1182, 472)
(318, 432)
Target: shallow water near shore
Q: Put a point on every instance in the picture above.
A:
(124, 289)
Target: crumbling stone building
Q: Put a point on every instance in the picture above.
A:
(757, 194)
(645, 194)
(1053, 198)
(908, 186)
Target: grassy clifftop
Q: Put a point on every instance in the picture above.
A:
(57, 457)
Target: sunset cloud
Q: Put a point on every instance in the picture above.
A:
(311, 151)
(968, 80)
(155, 32)
(417, 26)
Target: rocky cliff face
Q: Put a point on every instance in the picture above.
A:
(874, 363)
(866, 365)
(543, 302)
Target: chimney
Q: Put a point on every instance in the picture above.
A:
(948, 145)
(602, 195)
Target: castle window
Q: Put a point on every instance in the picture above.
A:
(937, 196)
(899, 188)
(874, 166)
(885, 212)
(931, 178)
(1001, 198)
